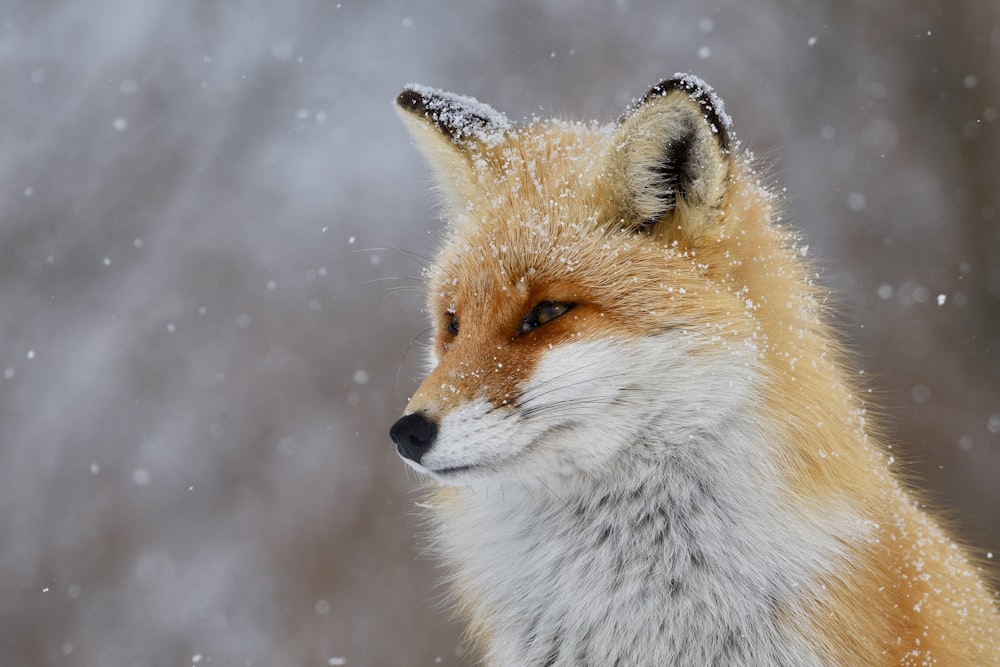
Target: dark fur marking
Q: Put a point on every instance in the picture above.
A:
(731, 645)
(583, 650)
(702, 96)
(658, 521)
(440, 110)
(531, 634)
(674, 172)
(553, 654)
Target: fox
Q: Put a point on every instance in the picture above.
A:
(642, 441)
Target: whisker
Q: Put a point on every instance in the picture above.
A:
(399, 367)
(385, 278)
(531, 396)
(564, 408)
(554, 494)
(392, 291)
(558, 407)
(577, 369)
(563, 415)
(423, 260)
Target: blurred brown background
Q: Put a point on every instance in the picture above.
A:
(199, 359)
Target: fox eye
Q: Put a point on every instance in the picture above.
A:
(543, 313)
(452, 323)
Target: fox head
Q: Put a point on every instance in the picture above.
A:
(587, 305)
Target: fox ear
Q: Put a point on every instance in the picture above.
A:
(451, 131)
(670, 160)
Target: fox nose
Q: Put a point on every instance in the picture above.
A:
(413, 434)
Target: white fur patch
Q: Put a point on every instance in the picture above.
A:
(587, 401)
(626, 511)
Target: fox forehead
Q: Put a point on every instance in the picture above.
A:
(530, 223)
(536, 180)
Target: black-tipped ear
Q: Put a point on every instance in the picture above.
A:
(712, 107)
(465, 121)
(672, 155)
(450, 130)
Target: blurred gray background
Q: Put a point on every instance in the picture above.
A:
(199, 354)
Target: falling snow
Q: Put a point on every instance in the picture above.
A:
(213, 241)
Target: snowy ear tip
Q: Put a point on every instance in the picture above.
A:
(411, 100)
(695, 88)
(673, 148)
(465, 121)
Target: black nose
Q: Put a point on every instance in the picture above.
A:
(413, 434)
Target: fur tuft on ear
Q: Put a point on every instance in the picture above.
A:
(671, 157)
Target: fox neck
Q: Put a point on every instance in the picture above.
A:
(692, 557)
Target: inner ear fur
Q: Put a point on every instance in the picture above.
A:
(670, 159)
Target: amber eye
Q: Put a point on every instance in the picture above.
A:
(452, 323)
(543, 313)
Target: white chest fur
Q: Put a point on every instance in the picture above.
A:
(688, 560)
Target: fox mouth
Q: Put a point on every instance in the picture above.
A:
(452, 470)
(445, 473)
(493, 466)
